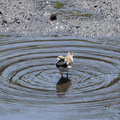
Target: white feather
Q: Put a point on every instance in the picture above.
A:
(63, 69)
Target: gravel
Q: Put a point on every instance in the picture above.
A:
(27, 17)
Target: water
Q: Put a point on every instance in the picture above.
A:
(31, 86)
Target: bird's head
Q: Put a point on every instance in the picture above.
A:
(70, 54)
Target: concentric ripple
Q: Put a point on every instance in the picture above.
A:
(28, 72)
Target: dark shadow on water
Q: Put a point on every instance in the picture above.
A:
(62, 85)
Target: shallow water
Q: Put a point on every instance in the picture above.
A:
(32, 88)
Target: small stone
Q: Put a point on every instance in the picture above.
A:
(28, 18)
(17, 20)
(77, 26)
(20, 2)
(1, 12)
(4, 21)
(53, 16)
(95, 6)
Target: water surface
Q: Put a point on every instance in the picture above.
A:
(32, 88)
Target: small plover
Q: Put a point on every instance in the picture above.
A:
(64, 63)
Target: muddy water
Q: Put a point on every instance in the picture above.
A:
(32, 88)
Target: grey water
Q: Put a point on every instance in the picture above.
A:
(31, 87)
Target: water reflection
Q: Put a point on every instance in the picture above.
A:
(62, 85)
(29, 78)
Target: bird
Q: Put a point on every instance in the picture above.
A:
(64, 63)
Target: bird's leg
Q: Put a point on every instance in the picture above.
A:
(61, 74)
(67, 74)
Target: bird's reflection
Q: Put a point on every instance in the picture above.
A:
(62, 85)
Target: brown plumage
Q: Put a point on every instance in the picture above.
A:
(69, 58)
